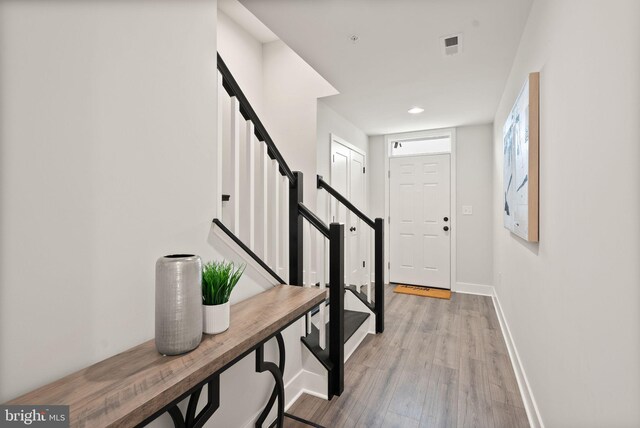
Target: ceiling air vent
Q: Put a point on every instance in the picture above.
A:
(451, 45)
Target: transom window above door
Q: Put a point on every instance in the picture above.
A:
(421, 146)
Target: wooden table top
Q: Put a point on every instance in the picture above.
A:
(127, 388)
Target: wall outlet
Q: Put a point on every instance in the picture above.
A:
(467, 210)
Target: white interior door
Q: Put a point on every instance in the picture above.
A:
(354, 231)
(347, 177)
(420, 235)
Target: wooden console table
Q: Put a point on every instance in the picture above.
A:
(136, 386)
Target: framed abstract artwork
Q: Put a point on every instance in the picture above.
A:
(521, 144)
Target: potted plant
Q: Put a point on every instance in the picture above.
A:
(218, 280)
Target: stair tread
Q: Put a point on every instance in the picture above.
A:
(354, 289)
(352, 322)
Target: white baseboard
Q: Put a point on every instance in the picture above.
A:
(304, 383)
(535, 420)
(533, 414)
(470, 288)
(293, 389)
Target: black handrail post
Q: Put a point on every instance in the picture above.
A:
(379, 274)
(295, 230)
(336, 308)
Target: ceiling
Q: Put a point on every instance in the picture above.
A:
(247, 21)
(398, 62)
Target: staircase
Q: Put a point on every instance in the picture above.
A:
(265, 217)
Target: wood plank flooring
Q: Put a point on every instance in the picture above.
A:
(439, 363)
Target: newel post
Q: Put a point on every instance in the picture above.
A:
(379, 274)
(295, 230)
(336, 308)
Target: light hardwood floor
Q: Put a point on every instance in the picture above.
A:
(439, 363)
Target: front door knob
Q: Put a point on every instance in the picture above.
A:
(446, 228)
(352, 229)
(446, 219)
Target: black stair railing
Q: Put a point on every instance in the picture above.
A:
(378, 227)
(233, 89)
(248, 250)
(335, 233)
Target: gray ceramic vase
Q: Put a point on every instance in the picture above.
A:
(178, 303)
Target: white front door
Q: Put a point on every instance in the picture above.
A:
(420, 235)
(347, 177)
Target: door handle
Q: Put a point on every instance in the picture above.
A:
(446, 228)
(352, 229)
(446, 219)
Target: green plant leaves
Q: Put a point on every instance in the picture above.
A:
(218, 281)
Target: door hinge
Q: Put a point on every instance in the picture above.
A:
(333, 158)
(364, 264)
(389, 218)
(388, 265)
(363, 169)
(389, 173)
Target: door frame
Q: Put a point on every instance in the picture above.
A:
(334, 139)
(365, 240)
(432, 133)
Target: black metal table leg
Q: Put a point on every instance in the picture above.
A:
(176, 416)
(191, 420)
(197, 421)
(278, 389)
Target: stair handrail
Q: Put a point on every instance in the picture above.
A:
(248, 250)
(314, 220)
(321, 184)
(232, 88)
(378, 227)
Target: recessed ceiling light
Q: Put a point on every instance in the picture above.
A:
(416, 110)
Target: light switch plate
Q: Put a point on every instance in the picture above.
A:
(467, 210)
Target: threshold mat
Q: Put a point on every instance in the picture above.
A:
(423, 291)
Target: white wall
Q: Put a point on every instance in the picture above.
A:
(107, 122)
(105, 140)
(573, 301)
(473, 187)
(474, 147)
(331, 122)
(291, 90)
(242, 53)
(377, 176)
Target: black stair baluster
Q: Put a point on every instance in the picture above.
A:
(336, 308)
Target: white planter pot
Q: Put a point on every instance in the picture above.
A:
(215, 318)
